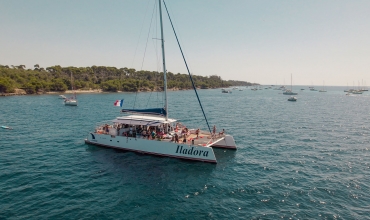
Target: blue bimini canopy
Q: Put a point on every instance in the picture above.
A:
(148, 111)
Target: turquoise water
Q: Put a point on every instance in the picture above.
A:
(295, 160)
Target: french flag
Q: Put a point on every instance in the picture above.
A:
(118, 103)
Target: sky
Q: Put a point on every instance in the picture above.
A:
(260, 41)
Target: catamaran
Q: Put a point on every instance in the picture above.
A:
(151, 131)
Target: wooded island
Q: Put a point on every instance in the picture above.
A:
(109, 79)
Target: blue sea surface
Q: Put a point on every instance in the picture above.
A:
(295, 160)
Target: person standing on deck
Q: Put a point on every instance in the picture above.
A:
(214, 131)
(197, 132)
(176, 138)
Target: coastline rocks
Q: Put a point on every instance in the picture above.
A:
(17, 92)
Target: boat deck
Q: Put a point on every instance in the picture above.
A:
(203, 139)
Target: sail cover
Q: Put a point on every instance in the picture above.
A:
(148, 111)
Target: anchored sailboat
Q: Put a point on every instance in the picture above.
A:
(323, 87)
(151, 131)
(73, 99)
(290, 91)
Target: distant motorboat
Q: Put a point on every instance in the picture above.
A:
(6, 127)
(62, 97)
(225, 91)
(292, 99)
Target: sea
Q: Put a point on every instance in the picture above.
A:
(307, 159)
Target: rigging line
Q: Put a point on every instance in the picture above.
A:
(158, 62)
(146, 45)
(155, 45)
(148, 100)
(142, 26)
(191, 78)
(135, 100)
(159, 66)
(178, 33)
(147, 38)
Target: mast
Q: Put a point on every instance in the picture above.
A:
(164, 62)
(74, 94)
(291, 82)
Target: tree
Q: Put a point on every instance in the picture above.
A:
(7, 85)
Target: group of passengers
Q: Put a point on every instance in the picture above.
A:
(157, 132)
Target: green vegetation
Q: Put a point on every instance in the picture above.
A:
(57, 78)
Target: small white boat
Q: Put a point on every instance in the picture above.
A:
(62, 97)
(292, 99)
(6, 127)
(71, 101)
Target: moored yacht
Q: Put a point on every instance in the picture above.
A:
(323, 88)
(151, 131)
(71, 101)
(153, 134)
(290, 91)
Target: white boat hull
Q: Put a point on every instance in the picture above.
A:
(227, 142)
(160, 148)
(72, 103)
(290, 93)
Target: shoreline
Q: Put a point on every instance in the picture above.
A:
(76, 91)
(19, 92)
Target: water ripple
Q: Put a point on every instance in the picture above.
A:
(303, 160)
